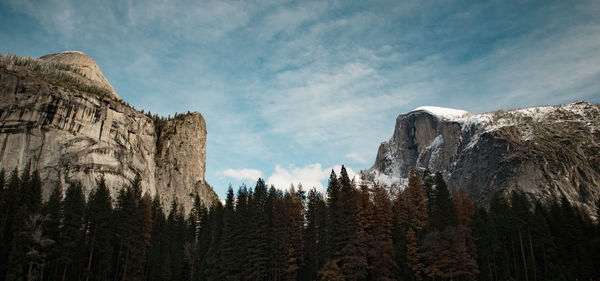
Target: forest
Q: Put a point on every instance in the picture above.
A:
(426, 231)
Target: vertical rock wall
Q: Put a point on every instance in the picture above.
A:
(70, 135)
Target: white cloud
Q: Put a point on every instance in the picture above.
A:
(241, 174)
(312, 175)
(355, 157)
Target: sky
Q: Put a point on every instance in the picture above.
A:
(293, 89)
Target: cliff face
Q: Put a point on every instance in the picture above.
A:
(179, 170)
(544, 151)
(68, 134)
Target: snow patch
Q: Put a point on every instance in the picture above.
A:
(443, 112)
(73, 52)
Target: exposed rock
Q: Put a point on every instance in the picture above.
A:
(86, 65)
(69, 134)
(182, 174)
(544, 151)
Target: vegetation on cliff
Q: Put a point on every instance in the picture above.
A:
(60, 74)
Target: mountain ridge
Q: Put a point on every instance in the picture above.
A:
(544, 151)
(70, 130)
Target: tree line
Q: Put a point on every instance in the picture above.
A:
(427, 231)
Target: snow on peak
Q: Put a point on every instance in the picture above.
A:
(443, 112)
(73, 52)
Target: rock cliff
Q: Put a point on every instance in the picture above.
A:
(544, 151)
(69, 129)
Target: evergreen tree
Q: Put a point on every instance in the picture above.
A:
(416, 204)
(71, 239)
(382, 262)
(99, 233)
(17, 214)
(133, 227)
(38, 244)
(53, 211)
(258, 233)
(333, 219)
(294, 242)
(413, 257)
(443, 211)
(416, 220)
(156, 262)
(315, 236)
(399, 228)
(229, 255)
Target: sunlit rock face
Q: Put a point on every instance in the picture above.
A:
(546, 151)
(71, 135)
(86, 65)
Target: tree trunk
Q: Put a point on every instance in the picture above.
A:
(523, 255)
(532, 255)
(90, 257)
(512, 247)
(125, 266)
(64, 275)
(30, 269)
(118, 260)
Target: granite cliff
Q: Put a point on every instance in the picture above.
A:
(546, 151)
(61, 117)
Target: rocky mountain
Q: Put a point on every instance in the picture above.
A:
(60, 116)
(545, 151)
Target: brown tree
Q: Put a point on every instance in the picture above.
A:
(416, 203)
(381, 252)
(413, 257)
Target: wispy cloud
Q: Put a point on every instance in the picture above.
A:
(241, 174)
(282, 83)
(355, 157)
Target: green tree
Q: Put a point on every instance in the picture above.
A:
(99, 233)
(316, 217)
(53, 211)
(71, 239)
(443, 211)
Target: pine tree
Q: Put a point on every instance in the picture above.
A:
(16, 214)
(413, 257)
(315, 235)
(133, 227)
(37, 248)
(71, 240)
(100, 230)
(258, 248)
(333, 220)
(416, 220)
(156, 262)
(382, 262)
(294, 244)
(230, 259)
(416, 204)
(53, 211)
(399, 228)
(331, 272)
(443, 211)
(347, 210)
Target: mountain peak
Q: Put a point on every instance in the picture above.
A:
(86, 64)
(443, 112)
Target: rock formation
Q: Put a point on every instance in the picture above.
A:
(87, 67)
(546, 151)
(70, 130)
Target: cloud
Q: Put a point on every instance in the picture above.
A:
(284, 82)
(312, 175)
(241, 174)
(355, 157)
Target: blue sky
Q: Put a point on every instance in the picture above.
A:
(291, 89)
